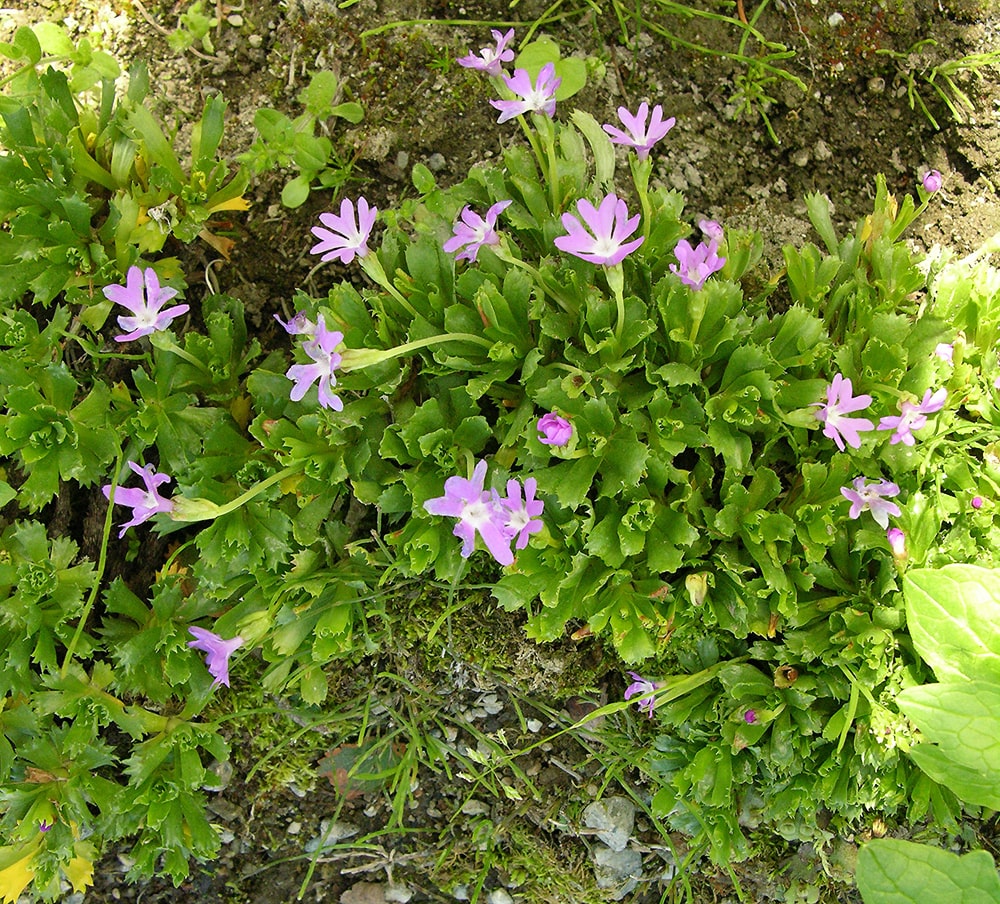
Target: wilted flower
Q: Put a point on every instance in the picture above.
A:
(490, 59)
(144, 297)
(473, 231)
(912, 416)
(932, 181)
(637, 133)
(321, 348)
(646, 690)
(839, 403)
(697, 264)
(539, 97)
(346, 235)
(554, 430)
(610, 225)
(871, 497)
(218, 651)
(144, 503)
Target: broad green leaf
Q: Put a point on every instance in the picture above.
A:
(600, 145)
(969, 785)
(891, 871)
(295, 193)
(962, 718)
(953, 614)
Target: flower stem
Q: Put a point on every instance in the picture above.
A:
(372, 266)
(641, 170)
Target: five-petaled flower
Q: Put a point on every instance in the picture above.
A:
(144, 297)
(912, 416)
(478, 512)
(534, 97)
(522, 513)
(346, 235)
(872, 497)
(321, 347)
(697, 264)
(144, 502)
(638, 134)
(473, 231)
(611, 226)
(217, 650)
(490, 59)
(932, 181)
(840, 402)
(554, 430)
(645, 690)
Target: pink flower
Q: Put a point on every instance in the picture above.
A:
(346, 235)
(912, 416)
(218, 651)
(711, 230)
(144, 503)
(478, 512)
(871, 497)
(321, 347)
(490, 59)
(299, 325)
(697, 264)
(473, 231)
(839, 403)
(945, 351)
(637, 133)
(522, 514)
(609, 224)
(897, 542)
(646, 690)
(143, 296)
(932, 181)
(977, 502)
(554, 430)
(539, 97)
(750, 716)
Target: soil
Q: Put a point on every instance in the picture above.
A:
(851, 119)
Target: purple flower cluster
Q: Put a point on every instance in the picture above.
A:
(497, 520)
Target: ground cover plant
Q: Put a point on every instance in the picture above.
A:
(544, 381)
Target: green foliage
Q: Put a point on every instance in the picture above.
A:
(293, 143)
(891, 871)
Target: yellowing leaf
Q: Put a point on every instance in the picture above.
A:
(239, 203)
(15, 878)
(80, 872)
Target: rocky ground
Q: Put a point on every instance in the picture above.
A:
(844, 105)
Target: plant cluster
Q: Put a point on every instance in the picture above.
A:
(549, 381)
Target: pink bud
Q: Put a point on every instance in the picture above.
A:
(932, 181)
(897, 542)
(977, 502)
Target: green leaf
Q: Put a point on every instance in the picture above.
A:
(296, 192)
(350, 111)
(953, 614)
(891, 871)
(317, 97)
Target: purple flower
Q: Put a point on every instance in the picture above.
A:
(912, 416)
(711, 230)
(945, 351)
(478, 512)
(144, 503)
(299, 325)
(646, 690)
(870, 497)
(932, 181)
(346, 235)
(977, 502)
(637, 134)
(521, 513)
(218, 651)
(750, 716)
(897, 542)
(490, 58)
(321, 348)
(44, 826)
(554, 430)
(143, 296)
(473, 231)
(539, 97)
(841, 402)
(697, 264)
(610, 224)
